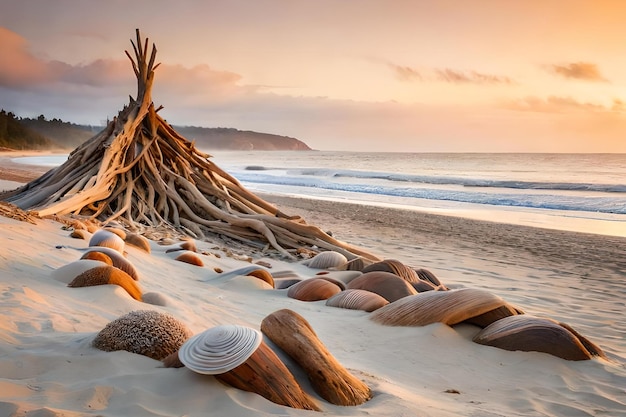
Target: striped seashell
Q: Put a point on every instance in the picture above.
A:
(389, 286)
(107, 275)
(219, 349)
(145, 332)
(138, 241)
(107, 239)
(190, 258)
(533, 334)
(263, 275)
(119, 261)
(313, 289)
(68, 272)
(449, 307)
(337, 282)
(426, 275)
(326, 260)
(356, 264)
(395, 267)
(422, 286)
(357, 300)
(116, 230)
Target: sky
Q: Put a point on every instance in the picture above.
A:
(345, 75)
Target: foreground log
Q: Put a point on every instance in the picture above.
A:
(140, 172)
(293, 334)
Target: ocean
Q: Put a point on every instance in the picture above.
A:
(576, 192)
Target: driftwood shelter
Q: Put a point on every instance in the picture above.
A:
(140, 172)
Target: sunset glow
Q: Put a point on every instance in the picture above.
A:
(418, 76)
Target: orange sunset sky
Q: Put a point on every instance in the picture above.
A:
(415, 76)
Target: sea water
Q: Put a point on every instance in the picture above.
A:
(577, 192)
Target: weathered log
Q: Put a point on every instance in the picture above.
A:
(294, 335)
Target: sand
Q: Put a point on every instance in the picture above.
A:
(49, 368)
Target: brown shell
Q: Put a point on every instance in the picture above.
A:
(357, 300)
(535, 334)
(449, 307)
(313, 289)
(116, 230)
(190, 258)
(426, 275)
(395, 267)
(138, 241)
(263, 275)
(389, 286)
(119, 261)
(284, 283)
(105, 275)
(98, 256)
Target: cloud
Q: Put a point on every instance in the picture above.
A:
(579, 71)
(555, 104)
(404, 73)
(469, 77)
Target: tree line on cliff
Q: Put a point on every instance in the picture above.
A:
(39, 133)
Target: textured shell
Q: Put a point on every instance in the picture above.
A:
(422, 286)
(535, 334)
(325, 260)
(105, 275)
(357, 300)
(116, 230)
(356, 264)
(98, 256)
(395, 267)
(138, 241)
(389, 286)
(219, 349)
(426, 275)
(107, 239)
(119, 261)
(449, 307)
(190, 258)
(313, 289)
(146, 332)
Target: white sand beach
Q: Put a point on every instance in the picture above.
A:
(48, 366)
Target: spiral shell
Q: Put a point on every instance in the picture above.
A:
(387, 285)
(357, 300)
(313, 289)
(107, 239)
(219, 349)
(325, 260)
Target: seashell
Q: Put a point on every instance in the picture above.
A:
(146, 332)
(68, 272)
(395, 267)
(328, 377)
(104, 275)
(98, 256)
(426, 275)
(190, 258)
(263, 275)
(189, 245)
(357, 300)
(138, 241)
(284, 283)
(116, 230)
(344, 277)
(535, 334)
(313, 289)
(219, 349)
(387, 285)
(326, 260)
(237, 356)
(356, 264)
(422, 286)
(337, 282)
(80, 234)
(449, 307)
(119, 261)
(156, 298)
(107, 239)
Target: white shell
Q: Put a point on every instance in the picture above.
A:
(108, 240)
(219, 349)
(327, 259)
